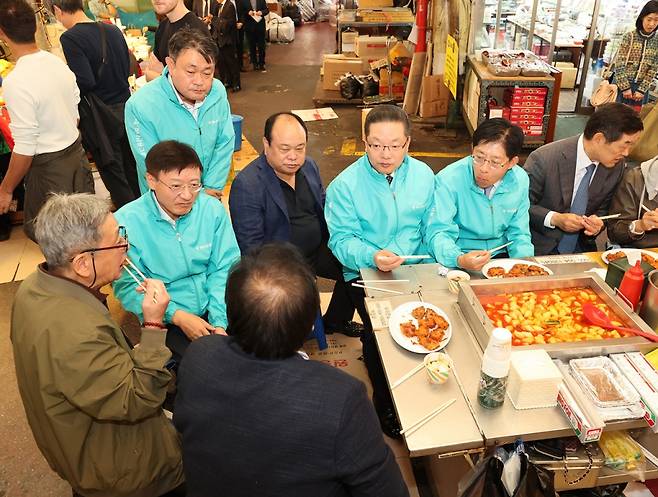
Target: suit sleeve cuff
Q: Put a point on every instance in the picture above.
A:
(548, 220)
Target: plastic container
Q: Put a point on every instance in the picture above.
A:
(438, 365)
(495, 369)
(237, 127)
(603, 382)
(632, 284)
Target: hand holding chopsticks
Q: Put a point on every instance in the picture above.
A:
(140, 284)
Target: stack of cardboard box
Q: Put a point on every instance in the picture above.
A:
(527, 108)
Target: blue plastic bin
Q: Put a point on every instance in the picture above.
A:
(237, 127)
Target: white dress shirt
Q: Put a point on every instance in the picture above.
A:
(193, 108)
(582, 161)
(42, 98)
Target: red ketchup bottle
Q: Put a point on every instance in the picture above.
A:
(631, 285)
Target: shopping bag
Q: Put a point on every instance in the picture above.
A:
(605, 93)
(485, 480)
(647, 146)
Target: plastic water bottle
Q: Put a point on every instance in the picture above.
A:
(495, 369)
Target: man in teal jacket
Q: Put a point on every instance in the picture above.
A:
(183, 237)
(188, 105)
(379, 208)
(483, 200)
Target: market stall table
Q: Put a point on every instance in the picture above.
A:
(465, 426)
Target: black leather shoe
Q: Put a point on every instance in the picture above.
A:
(389, 422)
(236, 88)
(350, 329)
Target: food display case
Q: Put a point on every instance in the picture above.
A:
(471, 293)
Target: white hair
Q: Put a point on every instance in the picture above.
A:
(68, 224)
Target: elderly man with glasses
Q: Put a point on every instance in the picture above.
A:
(483, 200)
(377, 210)
(93, 402)
(182, 236)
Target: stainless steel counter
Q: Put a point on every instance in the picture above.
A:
(465, 424)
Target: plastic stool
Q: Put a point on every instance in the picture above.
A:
(318, 332)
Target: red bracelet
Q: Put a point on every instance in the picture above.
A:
(152, 324)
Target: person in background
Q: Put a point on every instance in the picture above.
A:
(177, 16)
(482, 200)
(102, 10)
(239, 7)
(254, 27)
(225, 33)
(184, 238)
(636, 61)
(93, 402)
(104, 79)
(636, 199)
(187, 104)
(256, 418)
(279, 197)
(378, 209)
(42, 98)
(572, 181)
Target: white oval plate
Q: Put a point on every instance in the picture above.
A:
(507, 264)
(632, 254)
(402, 314)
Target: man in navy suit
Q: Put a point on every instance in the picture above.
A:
(256, 419)
(279, 197)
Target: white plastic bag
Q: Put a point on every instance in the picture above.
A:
(281, 30)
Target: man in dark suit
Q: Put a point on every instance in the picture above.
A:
(255, 30)
(223, 28)
(258, 419)
(279, 197)
(572, 181)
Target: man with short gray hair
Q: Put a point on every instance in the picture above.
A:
(108, 435)
(185, 104)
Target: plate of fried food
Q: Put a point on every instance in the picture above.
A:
(633, 255)
(420, 327)
(513, 268)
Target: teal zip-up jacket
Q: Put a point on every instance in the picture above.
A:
(154, 114)
(192, 259)
(365, 214)
(468, 220)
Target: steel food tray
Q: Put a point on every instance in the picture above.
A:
(481, 325)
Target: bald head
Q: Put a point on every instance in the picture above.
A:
(271, 301)
(284, 144)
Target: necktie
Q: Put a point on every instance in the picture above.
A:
(487, 191)
(389, 178)
(569, 241)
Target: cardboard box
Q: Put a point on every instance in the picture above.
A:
(438, 108)
(371, 47)
(519, 111)
(568, 74)
(364, 113)
(533, 121)
(334, 68)
(432, 89)
(525, 90)
(369, 4)
(398, 83)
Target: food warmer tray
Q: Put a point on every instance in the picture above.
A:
(482, 327)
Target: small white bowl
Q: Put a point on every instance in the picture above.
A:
(454, 277)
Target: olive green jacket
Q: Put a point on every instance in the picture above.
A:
(93, 403)
(630, 193)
